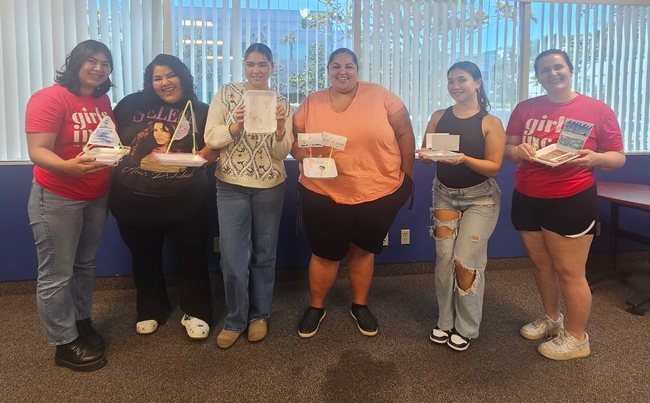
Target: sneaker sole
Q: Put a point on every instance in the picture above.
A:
(364, 332)
(308, 335)
(438, 341)
(88, 367)
(463, 348)
(533, 336)
(577, 354)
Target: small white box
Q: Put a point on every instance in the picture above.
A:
(319, 168)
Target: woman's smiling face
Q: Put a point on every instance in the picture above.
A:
(342, 73)
(166, 84)
(554, 74)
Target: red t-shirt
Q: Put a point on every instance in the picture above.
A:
(72, 118)
(540, 120)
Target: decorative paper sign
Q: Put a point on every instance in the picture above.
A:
(310, 140)
(182, 129)
(442, 141)
(334, 140)
(104, 134)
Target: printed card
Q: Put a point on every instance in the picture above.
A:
(334, 140)
(310, 140)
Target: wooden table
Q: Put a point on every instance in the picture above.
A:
(629, 195)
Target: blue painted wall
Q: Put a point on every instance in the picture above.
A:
(18, 256)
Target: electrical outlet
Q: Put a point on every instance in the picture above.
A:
(405, 236)
(217, 248)
(386, 240)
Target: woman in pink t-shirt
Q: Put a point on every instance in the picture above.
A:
(555, 209)
(68, 202)
(348, 216)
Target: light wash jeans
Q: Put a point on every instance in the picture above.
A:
(249, 220)
(67, 234)
(479, 211)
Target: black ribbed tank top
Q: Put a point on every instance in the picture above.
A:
(472, 143)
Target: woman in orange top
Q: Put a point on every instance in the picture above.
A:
(349, 216)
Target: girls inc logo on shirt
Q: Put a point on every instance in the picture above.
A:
(542, 126)
(83, 120)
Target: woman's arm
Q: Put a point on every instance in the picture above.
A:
(495, 139)
(283, 137)
(605, 161)
(40, 147)
(218, 133)
(401, 124)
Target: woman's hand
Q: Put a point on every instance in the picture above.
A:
(459, 160)
(605, 161)
(81, 165)
(238, 126)
(523, 151)
(209, 154)
(423, 157)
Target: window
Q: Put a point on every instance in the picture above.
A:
(301, 34)
(609, 46)
(405, 45)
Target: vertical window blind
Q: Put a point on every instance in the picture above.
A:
(405, 45)
(408, 46)
(37, 35)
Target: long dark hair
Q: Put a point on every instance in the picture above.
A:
(179, 68)
(473, 70)
(553, 52)
(343, 50)
(68, 76)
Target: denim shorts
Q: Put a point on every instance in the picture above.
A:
(484, 194)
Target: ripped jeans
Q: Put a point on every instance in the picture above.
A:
(478, 211)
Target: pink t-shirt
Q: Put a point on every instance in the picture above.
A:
(540, 120)
(369, 166)
(72, 118)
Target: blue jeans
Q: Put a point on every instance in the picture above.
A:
(249, 220)
(478, 207)
(67, 234)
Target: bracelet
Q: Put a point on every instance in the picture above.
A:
(277, 135)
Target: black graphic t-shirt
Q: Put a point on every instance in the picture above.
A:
(147, 128)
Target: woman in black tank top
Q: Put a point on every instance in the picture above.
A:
(466, 204)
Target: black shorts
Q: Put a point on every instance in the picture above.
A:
(571, 216)
(331, 227)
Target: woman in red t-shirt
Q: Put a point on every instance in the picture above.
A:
(555, 209)
(68, 203)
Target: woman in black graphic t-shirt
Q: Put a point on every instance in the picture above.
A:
(153, 202)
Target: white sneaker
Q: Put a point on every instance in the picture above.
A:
(565, 347)
(543, 327)
(146, 326)
(196, 328)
